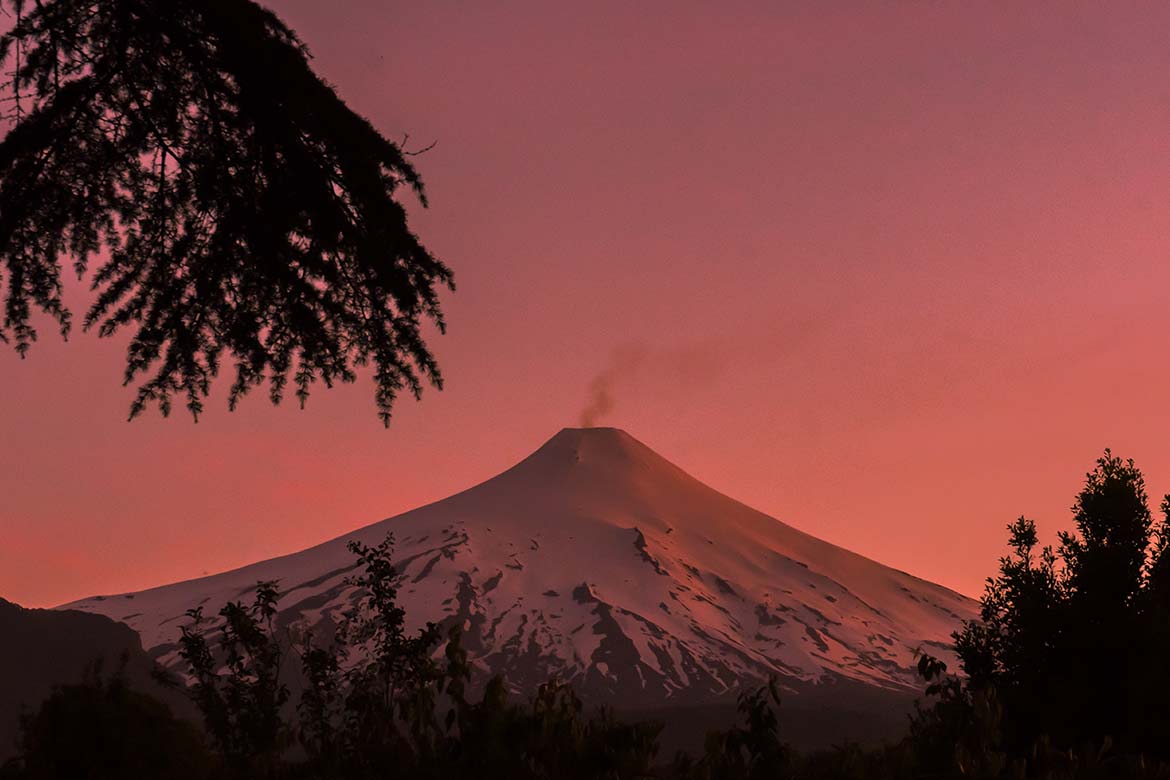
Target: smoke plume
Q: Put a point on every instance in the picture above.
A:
(602, 399)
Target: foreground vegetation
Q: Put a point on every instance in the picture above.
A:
(1064, 676)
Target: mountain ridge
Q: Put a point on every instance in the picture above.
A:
(44, 649)
(687, 594)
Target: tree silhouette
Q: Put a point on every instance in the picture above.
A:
(103, 730)
(378, 701)
(223, 199)
(238, 689)
(753, 751)
(1073, 641)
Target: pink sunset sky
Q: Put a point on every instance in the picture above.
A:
(894, 273)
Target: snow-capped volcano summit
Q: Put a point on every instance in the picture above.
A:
(599, 561)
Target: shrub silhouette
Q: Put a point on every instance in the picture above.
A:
(238, 690)
(376, 702)
(102, 730)
(753, 750)
(1064, 678)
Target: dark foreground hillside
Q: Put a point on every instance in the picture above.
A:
(42, 648)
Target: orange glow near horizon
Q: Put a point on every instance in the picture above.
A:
(894, 276)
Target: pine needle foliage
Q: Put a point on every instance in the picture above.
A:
(221, 199)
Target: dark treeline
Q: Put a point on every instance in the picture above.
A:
(1064, 676)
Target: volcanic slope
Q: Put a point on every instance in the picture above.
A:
(600, 562)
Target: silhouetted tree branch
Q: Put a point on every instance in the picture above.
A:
(221, 198)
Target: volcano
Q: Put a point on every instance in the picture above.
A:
(600, 562)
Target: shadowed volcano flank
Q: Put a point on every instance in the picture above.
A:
(597, 560)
